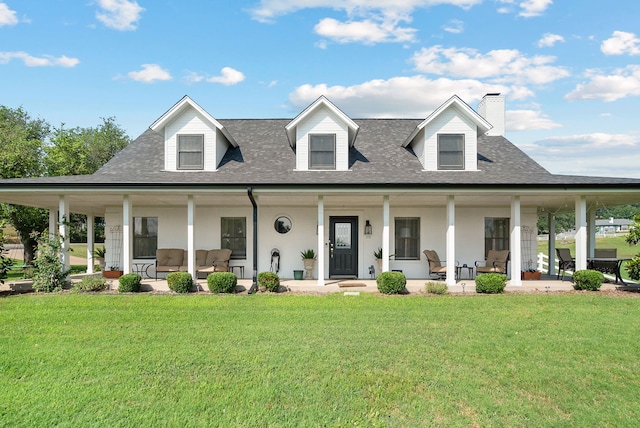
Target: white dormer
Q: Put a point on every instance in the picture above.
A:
(448, 138)
(321, 136)
(193, 139)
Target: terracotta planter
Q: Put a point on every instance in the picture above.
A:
(112, 274)
(528, 276)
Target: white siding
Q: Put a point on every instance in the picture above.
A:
(190, 122)
(451, 121)
(322, 121)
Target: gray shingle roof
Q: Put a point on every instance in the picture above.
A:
(264, 157)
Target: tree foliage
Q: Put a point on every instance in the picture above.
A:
(80, 151)
(26, 152)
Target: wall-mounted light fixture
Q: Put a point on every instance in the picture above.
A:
(368, 230)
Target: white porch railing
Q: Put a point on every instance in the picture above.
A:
(543, 266)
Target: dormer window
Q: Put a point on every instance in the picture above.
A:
(190, 151)
(322, 151)
(450, 151)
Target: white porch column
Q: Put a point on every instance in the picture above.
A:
(581, 232)
(552, 244)
(53, 222)
(320, 232)
(63, 230)
(516, 243)
(90, 220)
(126, 235)
(191, 237)
(451, 241)
(385, 234)
(591, 228)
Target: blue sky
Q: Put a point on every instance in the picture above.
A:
(570, 70)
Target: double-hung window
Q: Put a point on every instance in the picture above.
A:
(322, 151)
(190, 151)
(234, 236)
(407, 237)
(496, 234)
(450, 151)
(145, 237)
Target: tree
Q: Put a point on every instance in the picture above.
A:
(79, 151)
(83, 150)
(24, 152)
(21, 155)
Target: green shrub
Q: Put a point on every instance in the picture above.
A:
(269, 280)
(90, 283)
(433, 287)
(633, 268)
(587, 280)
(222, 282)
(491, 283)
(48, 275)
(180, 282)
(129, 283)
(391, 282)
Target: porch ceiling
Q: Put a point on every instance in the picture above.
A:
(96, 202)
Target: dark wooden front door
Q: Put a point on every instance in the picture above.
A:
(343, 246)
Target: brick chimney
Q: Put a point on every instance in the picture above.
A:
(492, 108)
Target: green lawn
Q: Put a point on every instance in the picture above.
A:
(291, 360)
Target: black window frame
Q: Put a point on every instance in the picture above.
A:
(180, 151)
(497, 234)
(442, 149)
(231, 236)
(145, 238)
(312, 151)
(407, 247)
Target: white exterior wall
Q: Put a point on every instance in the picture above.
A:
(419, 149)
(322, 121)
(172, 233)
(451, 122)
(172, 228)
(190, 122)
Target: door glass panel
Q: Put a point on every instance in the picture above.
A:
(343, 235)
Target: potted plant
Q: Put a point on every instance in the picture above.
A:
(309, 260)
(99, 254)
(530, 273)
(377, 254)
(113, 272)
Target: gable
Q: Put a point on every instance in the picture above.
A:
(454, 120)
(193, 139)
(330, 129)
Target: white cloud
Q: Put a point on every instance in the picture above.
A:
(43, 61)
(502, 65)
(414, 96)
(228, 77)
(367, 31)
(149, 73)
(369, 22)
(549, 40)
(531, 8)
(596, 154)
(621, 43)
(528, 120)
(7, 16)
(120, 15)
(454, 26)
(624, 82)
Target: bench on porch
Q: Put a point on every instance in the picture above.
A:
(176, 260)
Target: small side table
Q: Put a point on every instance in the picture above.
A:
(469, 270)
(240, 269)
(142, 268)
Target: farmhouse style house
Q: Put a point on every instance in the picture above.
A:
(270, 188)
